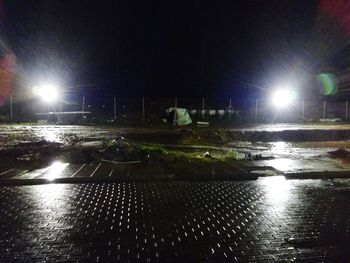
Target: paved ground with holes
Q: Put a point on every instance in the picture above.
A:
(267, 220)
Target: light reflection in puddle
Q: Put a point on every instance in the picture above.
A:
(51, 206)
(277, 190)
(279, 148)
(50, 134)
(293, 158)
(45, 195)
(282, 164)
(54, 170)
(280, 196)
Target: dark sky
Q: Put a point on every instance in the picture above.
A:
(160, 47)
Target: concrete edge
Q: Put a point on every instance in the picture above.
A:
(82, 180)
(318, 175)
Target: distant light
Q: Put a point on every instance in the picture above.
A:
(48, 93)
(283, 97)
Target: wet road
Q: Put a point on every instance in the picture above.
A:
(268, 220)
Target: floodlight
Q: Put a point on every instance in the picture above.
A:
(283, 97)
(48, 93)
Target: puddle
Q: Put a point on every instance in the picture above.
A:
(297, 157)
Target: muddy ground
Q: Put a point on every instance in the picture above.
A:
(181, 152)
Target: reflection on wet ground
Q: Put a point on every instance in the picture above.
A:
(271, 219)
(293, 126)
(62, 134)
(55, 170)
(294, 157)
(71, 172)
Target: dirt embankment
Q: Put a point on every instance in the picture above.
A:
(295, 135)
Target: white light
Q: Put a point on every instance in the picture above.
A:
(55, 170)
(48, 93)
(277, 191)
(283, 97)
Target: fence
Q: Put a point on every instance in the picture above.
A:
(135, 110)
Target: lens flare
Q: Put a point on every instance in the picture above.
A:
(327, 84)
(7, 72)
(338, 11)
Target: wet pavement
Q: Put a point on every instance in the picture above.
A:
(267, 220)
(59, 171)
(63, 172)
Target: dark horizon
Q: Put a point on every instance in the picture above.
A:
(158, 48)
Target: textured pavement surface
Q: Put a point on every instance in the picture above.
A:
(267, 220)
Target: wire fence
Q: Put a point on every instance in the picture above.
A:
(153, 110)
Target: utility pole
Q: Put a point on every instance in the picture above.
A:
(230, 109)
(115, 107)
(346, 110)
(143, 108)
(83, 106)
(303, 109)
(11, 108)
(203, 107)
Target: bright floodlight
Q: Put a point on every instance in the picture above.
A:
(282, 98)
(48, 93)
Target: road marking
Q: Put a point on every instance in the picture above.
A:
(111, 173)
(12, 173)
(98, 166)
(128, 162)
(32, 174)
(78, 170)
(6, 172)
(23, 172)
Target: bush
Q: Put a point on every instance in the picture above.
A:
(231, 155)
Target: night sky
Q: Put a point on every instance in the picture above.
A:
(160, 48)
